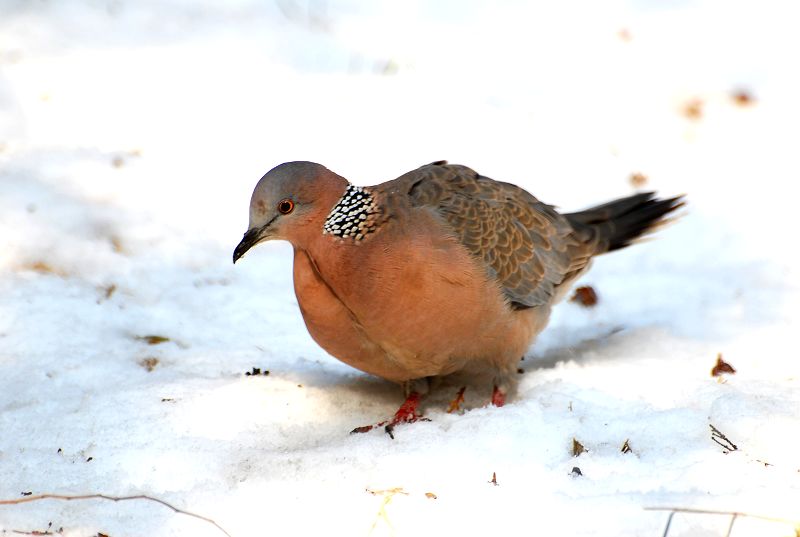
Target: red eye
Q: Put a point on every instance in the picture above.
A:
(285, 206)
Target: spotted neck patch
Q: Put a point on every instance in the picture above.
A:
(354, 216)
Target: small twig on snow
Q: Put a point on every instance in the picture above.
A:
(730, 526)
(716, 436)
(38, 497)
(733, 514)
(59, 531)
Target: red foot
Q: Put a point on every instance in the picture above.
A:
(408, 410)
(407, 413)
(498, 397)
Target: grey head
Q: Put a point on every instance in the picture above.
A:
(288, 203)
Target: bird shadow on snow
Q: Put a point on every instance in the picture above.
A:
(576, 352)
(358, 396)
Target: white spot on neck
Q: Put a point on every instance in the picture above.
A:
(354, 215)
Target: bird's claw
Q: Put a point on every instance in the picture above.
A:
(407, 413)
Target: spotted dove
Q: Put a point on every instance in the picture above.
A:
(437, 271)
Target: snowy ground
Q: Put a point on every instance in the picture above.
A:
(131, 135)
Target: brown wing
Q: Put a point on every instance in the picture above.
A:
(525, 244)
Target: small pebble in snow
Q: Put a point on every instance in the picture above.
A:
(693, 109)
(585, 296)
(721, 367)
(577, 448)
(109, 291)
(742, 98)
(576, 472)
(637, 179)
(149, 363)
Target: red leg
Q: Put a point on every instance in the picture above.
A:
(498, 397)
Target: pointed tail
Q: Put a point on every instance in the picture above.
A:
(618, 223)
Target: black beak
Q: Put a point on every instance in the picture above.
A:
(248, 241)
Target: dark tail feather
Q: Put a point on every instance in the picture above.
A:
(619, 222)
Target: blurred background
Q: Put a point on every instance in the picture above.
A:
(194, 100)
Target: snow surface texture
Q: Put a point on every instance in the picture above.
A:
(131, 136)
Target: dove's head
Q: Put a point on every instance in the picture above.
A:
(291, 202)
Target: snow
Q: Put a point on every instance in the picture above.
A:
(131, 136)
